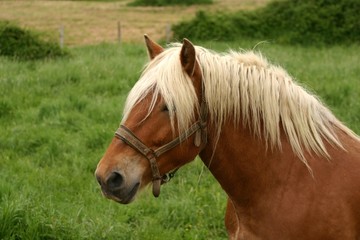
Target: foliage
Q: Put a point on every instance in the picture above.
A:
(206, 27)
(23, 44)
(168, 2)
(57, 118)
(304, 22)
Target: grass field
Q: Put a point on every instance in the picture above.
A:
(58, 116)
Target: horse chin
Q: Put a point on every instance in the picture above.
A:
(124, 196)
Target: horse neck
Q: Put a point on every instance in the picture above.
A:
(244, 166)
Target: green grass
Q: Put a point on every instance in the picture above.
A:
(57, 117)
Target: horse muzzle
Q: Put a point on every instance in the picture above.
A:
(114, 187)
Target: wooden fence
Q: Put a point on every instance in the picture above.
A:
(168, 34)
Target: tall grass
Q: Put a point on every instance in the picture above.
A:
(57, 118)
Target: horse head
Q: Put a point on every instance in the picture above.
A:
(150, 142)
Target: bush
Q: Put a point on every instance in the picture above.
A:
(168, 2)
(26, 45)
(206, 27)
(305, 22)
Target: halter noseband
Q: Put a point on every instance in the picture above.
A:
(199, 128)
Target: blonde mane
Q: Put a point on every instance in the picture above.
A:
(244, 87)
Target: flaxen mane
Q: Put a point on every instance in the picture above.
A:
(243, 87)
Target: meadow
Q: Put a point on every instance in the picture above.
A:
(93, 22)
(58, 116)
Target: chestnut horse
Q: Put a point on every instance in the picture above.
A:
(290, 168)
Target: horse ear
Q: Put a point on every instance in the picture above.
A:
(188, 57)
(153, 48)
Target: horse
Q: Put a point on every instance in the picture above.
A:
(290, 168)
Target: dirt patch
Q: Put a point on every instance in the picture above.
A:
(94, 22)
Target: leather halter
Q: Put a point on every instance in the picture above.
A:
(198, 128)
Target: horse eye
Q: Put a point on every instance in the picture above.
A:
(165, 108)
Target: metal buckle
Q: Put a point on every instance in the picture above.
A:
(168, 176)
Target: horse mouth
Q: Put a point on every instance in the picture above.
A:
(122, 196)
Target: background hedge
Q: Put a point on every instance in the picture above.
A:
(24, 44)
(305, 22)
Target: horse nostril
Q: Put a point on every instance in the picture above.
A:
(114, 181)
